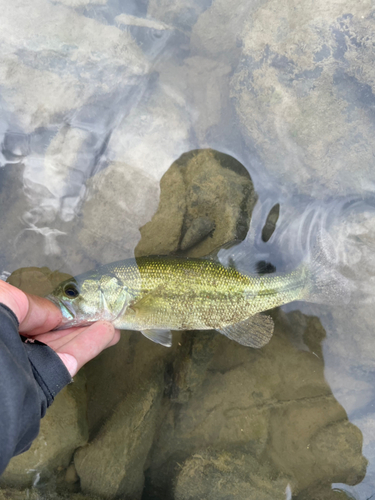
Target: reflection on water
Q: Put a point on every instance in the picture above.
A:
(113, 114)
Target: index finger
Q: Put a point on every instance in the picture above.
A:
(42, 316)
(35, 314)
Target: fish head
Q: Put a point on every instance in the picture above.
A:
(86, 299)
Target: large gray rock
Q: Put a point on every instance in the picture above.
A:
(205, 84)
(155, 132)
(127, 199)
(304, 93)
(58, 107)
(113, 464)
(37, 89)
(217, 33)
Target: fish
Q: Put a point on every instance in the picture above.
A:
(159, 294)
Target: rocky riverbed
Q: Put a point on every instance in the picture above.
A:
(167, 127)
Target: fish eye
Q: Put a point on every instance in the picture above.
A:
(71, 291)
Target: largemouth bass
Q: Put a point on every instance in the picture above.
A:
(158, 294)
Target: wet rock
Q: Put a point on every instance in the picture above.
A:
(61, 107)
(141, 22)
(216, 33)
(223, 475)
(71, 475)
(13, 494)
(37, 494)
(324, 492)
(342, 464)
(176, 12)
(112, 464)
(154, 133)
(200, 184)
(37, 280)
(127, 199)
(341, 444)
(132, 363)
(202, 84)
(198, 230)
(190, 366)
(260, 403)
(24, 242)
(60, 172)
(62, 431)
(208, 91)
(37, 89)
(350, 344)
(162, 234)
(303, 93)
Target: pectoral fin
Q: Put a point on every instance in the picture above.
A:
(255, 331)
(163, 337)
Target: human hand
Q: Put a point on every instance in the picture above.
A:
(38, 316)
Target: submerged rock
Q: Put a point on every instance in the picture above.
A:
(177, 12)
(37, 280)
(37, 494)
(260, 403)
(119, 371)
(324, 492)
(224, 475)
(127, 199)
(38, 89)
(162, 234)
(201, 187)
(112, 464)
(198, 230)
(304, 93)
(218, 30)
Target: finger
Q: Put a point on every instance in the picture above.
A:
(89, 343)
(116, 338)
(42, 316)
(58, 338)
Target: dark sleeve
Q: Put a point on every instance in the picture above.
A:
(31, 374)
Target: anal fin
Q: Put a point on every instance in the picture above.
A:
(255, 331)
(163, 337)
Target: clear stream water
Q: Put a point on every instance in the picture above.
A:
(98, 100)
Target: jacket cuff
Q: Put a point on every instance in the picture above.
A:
(48, 369)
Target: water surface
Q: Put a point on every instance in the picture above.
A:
(137, 128)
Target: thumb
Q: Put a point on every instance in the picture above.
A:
(70, 362)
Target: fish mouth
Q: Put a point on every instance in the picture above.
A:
(67, 311)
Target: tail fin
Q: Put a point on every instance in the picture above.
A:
(327, 283)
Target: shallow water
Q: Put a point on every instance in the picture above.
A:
(155, 127)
